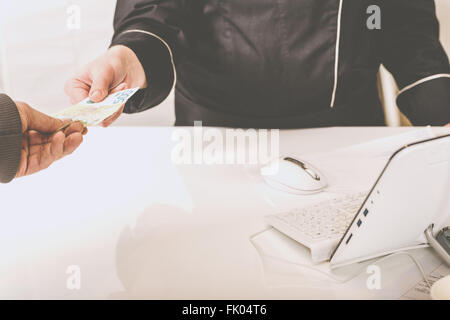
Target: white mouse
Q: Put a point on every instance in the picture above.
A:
(293, 176)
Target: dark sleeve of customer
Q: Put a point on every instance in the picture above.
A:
(411, 50)
(152, 29)
(10, 139)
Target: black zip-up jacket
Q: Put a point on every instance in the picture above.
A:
(286, 63)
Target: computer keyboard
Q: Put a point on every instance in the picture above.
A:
(319, 227)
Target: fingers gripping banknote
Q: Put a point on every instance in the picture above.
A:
(91, 113)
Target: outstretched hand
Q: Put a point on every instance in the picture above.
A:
(42, 143)
(118, 69)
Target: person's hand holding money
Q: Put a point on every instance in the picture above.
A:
(116, 70)
(45, 139)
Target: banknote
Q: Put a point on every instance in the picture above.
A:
(91, 113)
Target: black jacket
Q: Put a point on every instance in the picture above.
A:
(286, 63)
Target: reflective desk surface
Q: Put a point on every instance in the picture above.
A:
(117, 219)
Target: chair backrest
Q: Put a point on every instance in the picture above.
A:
(443, 12)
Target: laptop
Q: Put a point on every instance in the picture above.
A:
(411, 193)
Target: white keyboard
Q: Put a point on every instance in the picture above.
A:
(319, 227)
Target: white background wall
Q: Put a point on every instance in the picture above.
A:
(38, 52)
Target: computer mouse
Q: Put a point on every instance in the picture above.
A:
(294, 176)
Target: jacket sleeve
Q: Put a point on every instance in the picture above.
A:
(411, 50)
(153, 30)
(10, 139)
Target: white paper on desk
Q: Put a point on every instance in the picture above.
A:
(356, 168)
(288, 263)
(421, 291)
(385, 147)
